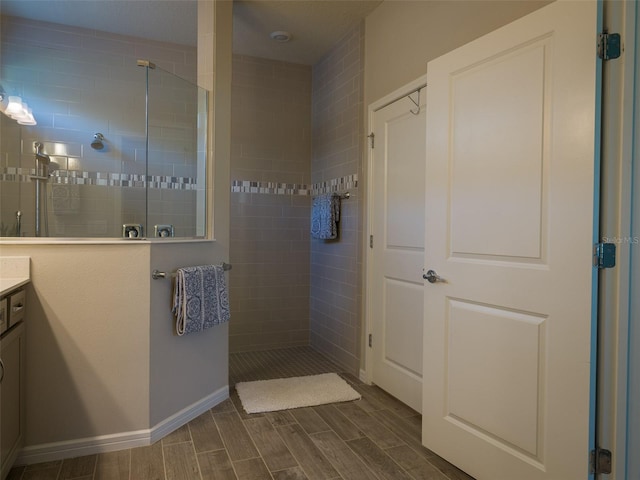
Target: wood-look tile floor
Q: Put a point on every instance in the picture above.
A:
(377, 437)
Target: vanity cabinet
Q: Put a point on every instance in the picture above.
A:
(12, 356)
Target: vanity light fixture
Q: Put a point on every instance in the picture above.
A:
(27, 116)
(16, 109)
(14, 106)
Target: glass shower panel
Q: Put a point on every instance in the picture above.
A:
(148, 167)
(88, 190)
(12, 180)
(176, 110)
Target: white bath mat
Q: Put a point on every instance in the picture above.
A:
(285, 393)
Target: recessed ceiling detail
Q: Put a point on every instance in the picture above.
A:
(317, 26)
(280, 36)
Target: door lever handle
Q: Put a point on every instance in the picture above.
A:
(432, 277)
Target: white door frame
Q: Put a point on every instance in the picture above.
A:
(367, 374)
(619, 208)
(632, 30)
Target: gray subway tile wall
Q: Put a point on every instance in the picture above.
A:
(336, 266)
(270, 146)
(296, 132)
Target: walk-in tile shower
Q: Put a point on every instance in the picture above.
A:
(118, 148)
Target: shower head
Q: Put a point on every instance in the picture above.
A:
(97, 141)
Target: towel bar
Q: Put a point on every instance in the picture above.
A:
(344, 195)
(157, 274)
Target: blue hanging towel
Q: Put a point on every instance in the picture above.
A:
(325, 215)
(200, 298)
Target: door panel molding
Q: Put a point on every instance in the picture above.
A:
(403, 250)
(510, 217)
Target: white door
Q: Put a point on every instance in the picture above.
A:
(397, 223)
(509, 224)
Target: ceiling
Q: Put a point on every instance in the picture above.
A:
(315, 25)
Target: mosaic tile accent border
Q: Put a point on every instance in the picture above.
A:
(104, 179)
(336, 185)
(248, 186)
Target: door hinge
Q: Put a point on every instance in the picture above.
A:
(370, 340)
(370, 241)
(372, 137)
(600, 461)
(609, 46)
(604, 255)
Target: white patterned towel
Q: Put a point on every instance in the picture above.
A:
(200, 298)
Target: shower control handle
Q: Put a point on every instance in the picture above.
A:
(432, 277)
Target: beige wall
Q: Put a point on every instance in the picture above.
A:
(101, 354)
(87, 340)
(402, 36)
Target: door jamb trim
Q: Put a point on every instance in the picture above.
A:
(366, 374)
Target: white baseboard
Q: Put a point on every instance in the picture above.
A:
(364, 377)
(47, 452)
(187, 414)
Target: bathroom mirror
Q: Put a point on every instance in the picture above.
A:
(117, 145)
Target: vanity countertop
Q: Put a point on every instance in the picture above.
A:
(14, 273)
(7, 285)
